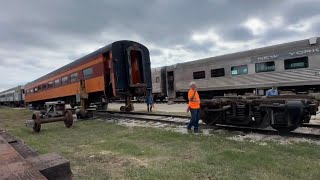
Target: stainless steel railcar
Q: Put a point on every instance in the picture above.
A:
(13, 96)
(293, 66)
(159, 83)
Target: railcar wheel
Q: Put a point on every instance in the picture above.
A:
(122, 108)
(37, 122)
(68, 119)
(284, 129)
(130, 107)
(281, 123)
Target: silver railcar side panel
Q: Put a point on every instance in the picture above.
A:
(280, 77)
(156, 86)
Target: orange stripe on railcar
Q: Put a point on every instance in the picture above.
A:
(67, 90)
(92, 85)
(97, 60)
(95, 84)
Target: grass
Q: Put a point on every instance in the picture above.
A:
(101, 150)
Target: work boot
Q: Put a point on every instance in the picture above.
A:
(189, 130)
(197, 131)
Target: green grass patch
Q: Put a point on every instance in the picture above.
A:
(104, 150)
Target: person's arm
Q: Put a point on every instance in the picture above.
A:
(268, 93)
(192, 97)
(188, 108)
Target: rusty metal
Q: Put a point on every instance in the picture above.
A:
(129, 105)
(37, 120)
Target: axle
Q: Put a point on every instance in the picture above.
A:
(37, 120)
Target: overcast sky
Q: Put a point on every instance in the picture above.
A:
(39, 36)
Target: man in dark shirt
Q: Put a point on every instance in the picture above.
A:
(149, 101)
(272, 92)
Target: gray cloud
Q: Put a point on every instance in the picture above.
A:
(238, 33)
(38, 36)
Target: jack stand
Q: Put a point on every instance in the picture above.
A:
(83, 112)
(104, 103)
(129, 105)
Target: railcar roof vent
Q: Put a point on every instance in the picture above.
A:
(313, 40)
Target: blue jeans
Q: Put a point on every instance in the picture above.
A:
(195, 117)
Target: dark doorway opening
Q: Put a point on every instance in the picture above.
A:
(136, 67)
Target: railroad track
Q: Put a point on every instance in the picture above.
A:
(156, 102)
(162, 118)
(316, 126)
(181, 120)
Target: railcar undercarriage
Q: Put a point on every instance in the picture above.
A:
(283, 113)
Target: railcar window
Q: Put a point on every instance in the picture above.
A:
(31, 90)
(64, 80)
(87, 73)
(157, 79)
(74, 77)
(56, 82)
(40, 88)
(44, 86)
(265, 67)
(217, 72)
(296, 63)
(35, 89)
(239, 70)
(50, 84)
(199, 75)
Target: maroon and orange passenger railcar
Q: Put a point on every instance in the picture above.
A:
(119, 69)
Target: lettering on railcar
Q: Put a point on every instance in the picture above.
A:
(285, 55)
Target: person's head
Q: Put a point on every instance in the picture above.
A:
(192, 85)
(274, 87)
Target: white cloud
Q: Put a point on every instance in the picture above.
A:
(277, 22)
(201, 37)
(256, 25)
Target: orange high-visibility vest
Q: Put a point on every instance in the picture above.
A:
(192, 104)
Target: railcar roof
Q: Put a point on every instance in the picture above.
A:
(74, 63)
(255, 52)
(14, 88)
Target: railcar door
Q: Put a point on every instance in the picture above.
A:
(135, 61)
(119, 69)
(171, 92)
(163, 82)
